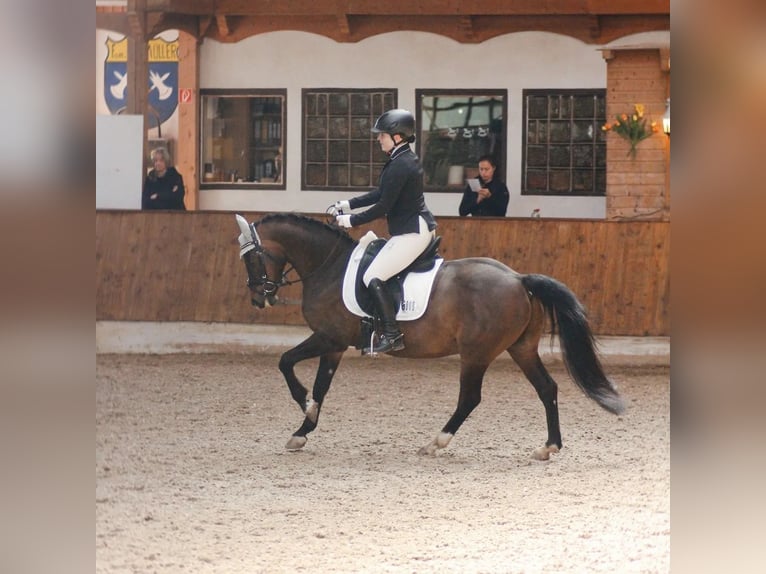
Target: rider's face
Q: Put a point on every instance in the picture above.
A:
(386, 142)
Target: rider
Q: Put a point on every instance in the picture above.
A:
(398, 197)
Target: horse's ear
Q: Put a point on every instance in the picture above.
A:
(246, 239)
(244, 227)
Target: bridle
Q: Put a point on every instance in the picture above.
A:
(270, 287)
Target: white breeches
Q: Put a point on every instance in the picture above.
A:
(397, 253)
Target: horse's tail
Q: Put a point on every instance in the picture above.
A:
(576, 339)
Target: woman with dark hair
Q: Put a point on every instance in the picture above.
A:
(398, 198)
(492, 199)
(163, 186)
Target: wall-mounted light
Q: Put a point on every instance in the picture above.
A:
(666, 118)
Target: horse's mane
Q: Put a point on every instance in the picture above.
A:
(304, 221)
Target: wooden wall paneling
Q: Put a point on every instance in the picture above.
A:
(592, 273)
(164, 266)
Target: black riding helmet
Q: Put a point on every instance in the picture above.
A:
(397, 121)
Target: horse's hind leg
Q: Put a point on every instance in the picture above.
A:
(547, 390)
(471, 378)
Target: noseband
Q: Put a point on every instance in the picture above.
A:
(269, 287)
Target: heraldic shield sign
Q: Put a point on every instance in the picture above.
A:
(163, 77)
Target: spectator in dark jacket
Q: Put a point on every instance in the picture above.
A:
(492, 199)
(163, 186)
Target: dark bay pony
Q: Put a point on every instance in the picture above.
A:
(479, 308)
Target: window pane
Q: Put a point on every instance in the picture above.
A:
(360, 104)
(360, 175)
(338, 152)
(537, 156)
(316, 127)
(316, 151)
(338, 175)
(316, 174)
(559, 180)
(582, 131)
(338, 127)
(582, 156)
(560, 131)
(242, 134)
(583, 106)
(560, 156)
(537, 180)
(361, 152)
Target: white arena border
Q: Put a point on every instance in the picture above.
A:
(161, 338)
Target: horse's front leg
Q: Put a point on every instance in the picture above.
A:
(330, 354)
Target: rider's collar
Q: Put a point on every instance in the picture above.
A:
(398, 150)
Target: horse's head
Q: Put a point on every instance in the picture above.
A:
(264, 267)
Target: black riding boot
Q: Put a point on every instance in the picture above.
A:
(391, 339)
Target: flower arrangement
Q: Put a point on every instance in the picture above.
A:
(632, 127)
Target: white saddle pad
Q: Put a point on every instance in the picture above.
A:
(416, 288)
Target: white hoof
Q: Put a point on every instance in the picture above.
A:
(544, 452)
(428, 450)
(296, 443)
(441, 441)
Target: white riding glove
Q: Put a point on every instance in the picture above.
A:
(341, 207)
(343, 220)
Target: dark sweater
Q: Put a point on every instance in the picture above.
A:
(169, 189)
(493, 206)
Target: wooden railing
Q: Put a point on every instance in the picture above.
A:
(167, 266)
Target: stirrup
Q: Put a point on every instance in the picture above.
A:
(389, 342)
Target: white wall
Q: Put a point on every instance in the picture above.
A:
(405, 61)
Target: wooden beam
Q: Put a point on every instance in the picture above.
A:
(408, 7)
(137, 17)
(342, 18)
(205, 23)
(117, 21)
(595, 27)
(665, 59)
(222, 21)
(466, 27)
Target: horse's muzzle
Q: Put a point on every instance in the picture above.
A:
(267, 301)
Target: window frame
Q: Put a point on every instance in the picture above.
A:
(280, 185)
(374, 166)
(598, 139)
(470, 168)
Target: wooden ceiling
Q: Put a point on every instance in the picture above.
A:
(465, 21)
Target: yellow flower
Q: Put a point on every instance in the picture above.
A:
(632, 127)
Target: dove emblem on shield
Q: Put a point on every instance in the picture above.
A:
(158, 83)
(118, 89)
